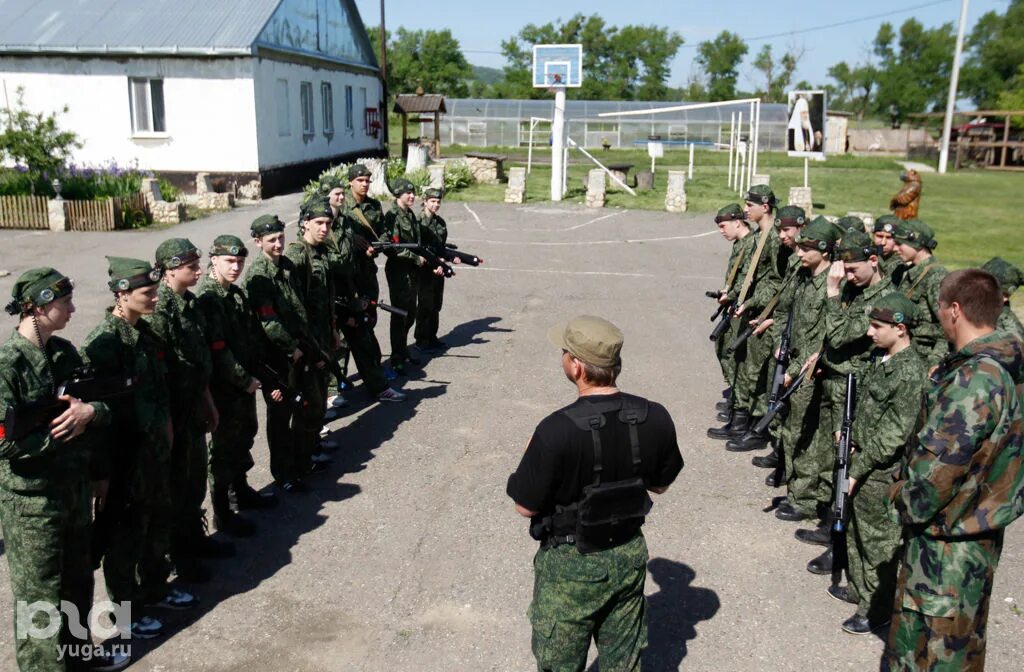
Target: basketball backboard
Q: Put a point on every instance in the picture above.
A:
(557, 65)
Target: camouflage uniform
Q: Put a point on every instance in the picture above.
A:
(963, 484)
(739, 252)
(1009, 322)
(367, 220)
(434, 233)
(45, 498)
(892, 268)
(920, 284)
(272, 294)
(1009, 277)
(403, 273)
(889, 397)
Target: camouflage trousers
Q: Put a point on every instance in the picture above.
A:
(729, 363)
(280, 419)
(940, 616)
(311, 382)
(231, 445)
(189, 472)
(403, 287)
(46, 541)
(366, 353)
(428, 308)
(598, 596)
(873, 540)
(802, 455)
(752, 373)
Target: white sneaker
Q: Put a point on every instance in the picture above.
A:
(337, 401)
(146, 627)
(325, 430)
(176, 599)
(391, 394)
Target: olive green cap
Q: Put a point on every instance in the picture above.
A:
(731, 212)
(916, 234)
(126, 274)
(819, 235)
(894, 308)
(175, 252)
(317, 206)
(1009, 276)
(590, 339)
(358, 170)
(401, 186)
(329, 182)
(265, 224)
(761, 193)
(849, 223)
(886, 224)
(228, 245)
(37, 287)
(433, 193)
(790, 215)
(855, 246)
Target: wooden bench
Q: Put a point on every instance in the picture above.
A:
(621, 171)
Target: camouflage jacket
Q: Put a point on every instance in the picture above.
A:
(433, 233)
(889, 396)
(234, 332)
(890, 268)
(369, 210)
(314, 281)
(848, 347)
(965, 471)
(807, 293)
(402, 226)
(771, 270)
(349, 264)
(273, 296)
(741, 251)
(1009, 322)
(37, 461)
(921, 285)
(178, 323)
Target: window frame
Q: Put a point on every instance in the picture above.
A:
(149, 84)
(350, 124)
(307, 109)
(327, 107)
(284, 120)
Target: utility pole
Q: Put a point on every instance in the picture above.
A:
(384, 75)
(947, 124)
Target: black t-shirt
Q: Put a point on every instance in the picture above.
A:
(559, 462)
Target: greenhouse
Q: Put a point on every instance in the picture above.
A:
(480, 122)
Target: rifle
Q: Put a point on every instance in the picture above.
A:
(724, 318)
(314, 354)
(840, 506)
(749, 330)
(272, 380)
(779, 375)
(780, 403)
(22, 420)
(361, 314)
(434, 261)
(451, 252)
(384, 245)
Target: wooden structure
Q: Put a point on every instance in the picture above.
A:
(413, 107)
(983, 137)
(24, 212)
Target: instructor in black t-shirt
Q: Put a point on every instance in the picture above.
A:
(584, 483)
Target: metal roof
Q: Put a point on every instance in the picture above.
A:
(174, 27)
(413, 103)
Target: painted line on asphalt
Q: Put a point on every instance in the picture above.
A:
(596, 220)
(561, 272)
(477, 218)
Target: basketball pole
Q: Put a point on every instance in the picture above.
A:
(558, 145)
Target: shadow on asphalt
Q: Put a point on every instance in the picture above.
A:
(469, 333)
(673, 613)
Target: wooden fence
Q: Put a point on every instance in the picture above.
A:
(106, 215)
(24, 212)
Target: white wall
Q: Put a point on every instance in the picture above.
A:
(209, 106)
(295, 147)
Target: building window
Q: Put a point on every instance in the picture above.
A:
(349, 123)
(362, 104)
(284, 125)
(146, 98)
(327, 100)
(306, 102)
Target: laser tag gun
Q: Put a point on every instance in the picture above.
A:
(723, 315)
(783, 400)
(779, 375)
(841, 485)
(451, 253)
(385, 245)
(272, 380)
(84, 384)
(314, 354)
(434, 261)
(389, 309)
(360, 310)
(749, 330)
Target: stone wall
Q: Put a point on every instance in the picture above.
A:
(516, 190)
(596, 188)
(675, 195)
(486, 171)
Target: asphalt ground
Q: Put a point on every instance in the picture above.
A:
(408, 554)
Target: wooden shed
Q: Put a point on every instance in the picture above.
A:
(414, 107)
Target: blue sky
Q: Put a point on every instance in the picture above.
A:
(481, 25)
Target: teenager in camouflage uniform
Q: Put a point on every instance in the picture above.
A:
(890, 263)
(132, 530)
(962, 485)
(920, 283)
(180, 325)
(733, 226)
(45, 490)
(434, 234)
(367, 216)
(889, 394)
(237, 343)
(1010, 278)
(270, 286)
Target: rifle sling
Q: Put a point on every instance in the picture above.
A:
(910, 290)
(749, 278)
(362, 220)
(733, 272)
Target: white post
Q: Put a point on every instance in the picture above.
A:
(947, 124)
(558, 146)
(572, 143)
(738, 178)
(732, 139)
(689, 173)
(565, 169)
(529, 149)
(750, 147)
(741, 166)
(757, 138)
(807, 162)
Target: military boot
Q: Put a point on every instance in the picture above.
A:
(205, 546)
(747, 442)
(821, 564)
(248, 498)
(737, 426)
(226, 520)
(769, 461)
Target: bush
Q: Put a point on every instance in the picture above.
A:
(457, 175)
(168, 190)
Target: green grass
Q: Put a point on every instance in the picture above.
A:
(971, 212)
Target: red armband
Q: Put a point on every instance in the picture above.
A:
(3, 431)
(266, 311)
(217, 346)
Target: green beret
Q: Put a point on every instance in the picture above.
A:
(762, 194)
(126, 274)
(37, 287)
(819, 235)
(894, 308)
(318, 206)
(329, 182)
(855, 246)
(790, 215)
(357, 170)
(916, 234)
(433, 193)
(175, 252)
(401, 186)
(886, 224)
(849, 223)
(265, 224)
(1009, 276)
(228, 245)
(730, 212)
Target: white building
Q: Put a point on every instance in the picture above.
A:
(268, 90)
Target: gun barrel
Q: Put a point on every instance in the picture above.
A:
(739, 340)
(390, 309)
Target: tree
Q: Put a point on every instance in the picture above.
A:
(855, 86)
(720, 59)
(995, 55)
(914, 69)
(34, 140)
(777, 74)
(431, 59)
